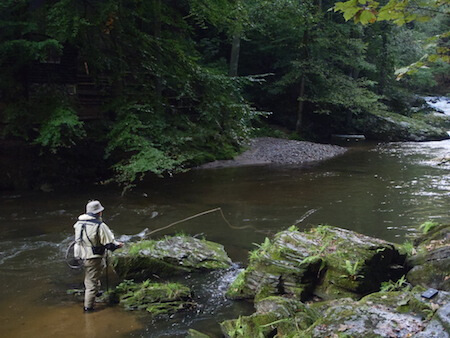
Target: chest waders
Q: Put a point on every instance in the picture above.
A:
(96, 249)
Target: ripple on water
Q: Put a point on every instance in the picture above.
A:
(209, 292)
(19, 254)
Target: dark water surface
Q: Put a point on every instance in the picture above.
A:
(385, 191)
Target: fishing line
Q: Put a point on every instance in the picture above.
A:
(75, 263)
(198, 215)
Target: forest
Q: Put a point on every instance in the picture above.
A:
(114, 90)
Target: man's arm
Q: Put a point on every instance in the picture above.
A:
(107, 238)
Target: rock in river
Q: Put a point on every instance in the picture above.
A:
(431, 264)
(382, 314)
(274, 315)
(155, 298)
(326, 261)
(386, 126)
(169, 256)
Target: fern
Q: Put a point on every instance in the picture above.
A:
(400, 285)
(428, 226)
(351, 270)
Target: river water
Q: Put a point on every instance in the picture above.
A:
(382, 190)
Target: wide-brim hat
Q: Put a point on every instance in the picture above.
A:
(94, 207)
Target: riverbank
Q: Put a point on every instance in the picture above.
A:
(270, 150)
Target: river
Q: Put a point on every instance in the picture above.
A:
(383, 190)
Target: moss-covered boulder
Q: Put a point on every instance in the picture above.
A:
(386, 126)
(169, 256)
(355, 264)
(155, 298)
(329, 261)
(403, 313)
(431, 264)
(439, 326)
(382, 314)
(274, 316)
(435, 119)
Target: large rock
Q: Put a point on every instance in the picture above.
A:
(435, 119)
(384, 314)
(169, 256)
(155, 298)
(274, 315)
(327, 261)
(386, 126)
(431, 264)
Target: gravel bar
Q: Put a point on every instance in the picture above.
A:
(269, 150)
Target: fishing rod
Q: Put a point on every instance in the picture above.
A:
(77, 263)
(198, 215)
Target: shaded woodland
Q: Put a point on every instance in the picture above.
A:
(118, 89)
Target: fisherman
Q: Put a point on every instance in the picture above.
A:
(93, 237)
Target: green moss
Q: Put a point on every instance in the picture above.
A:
(407, 248)
(430, 273)
(239, 288)
(329, 291)
(167, 307)
(142, 267)
(169, 256)
(287, 323)
(155, 298)
(248, 326)
(401, 301)
(136, 249)
(438, 233)
(264, 292)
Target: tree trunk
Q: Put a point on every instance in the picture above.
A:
(158, 52)
(301, 101)
(234, 57)
(384, 61)
(299, 123)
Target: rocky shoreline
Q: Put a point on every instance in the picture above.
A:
(270, 150)
(321, 282)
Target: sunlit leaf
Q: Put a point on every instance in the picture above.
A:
(350, 13)
(366, 17)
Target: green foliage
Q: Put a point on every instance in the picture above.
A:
(264, 246)
(322, 230)
(408, 248)
(352, 270)
(402, 12)
(136, 248)
(262, 250)
(167, 111)
(368, 11)
(238, 329)
(400, 285)
(170, 103)
(62, 129)
(155, 298)
(427, 226)
(160, 142)
(292, 228)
